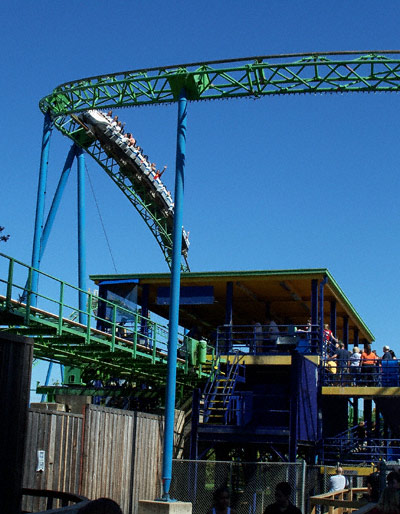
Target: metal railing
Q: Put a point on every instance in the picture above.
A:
(54, 499)
(360, 450)
(339, 372)
(58, 309)
(267, 339)
(337, 502)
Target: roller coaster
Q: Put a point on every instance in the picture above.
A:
(78, 110)
(253, 77)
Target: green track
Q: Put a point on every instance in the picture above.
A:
(346, 72)
(252, 77)
(135, 354)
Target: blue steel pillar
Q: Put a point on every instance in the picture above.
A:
(333, 317)
(314, 314)
(345, 331)
(228, 317)
(174, 300)
(356, 336)
(44, 161)
(57, 198)
(145, 314)
(295, 379)
(321, 311)
(47, 381)
(81, 236)
(229, 304)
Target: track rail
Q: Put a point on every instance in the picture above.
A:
(329, 72)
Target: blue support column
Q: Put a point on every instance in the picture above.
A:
(295, 376)
(356, 336)
(57, 198)
(228, 317)
(145, 314)
(46, 382)
(41, 193)
(174, 300)
(81, 236)
(345, 331)
(333, 317)
(314, 314)
(321, 312)
(229, 304)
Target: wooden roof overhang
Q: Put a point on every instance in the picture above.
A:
(286, 294)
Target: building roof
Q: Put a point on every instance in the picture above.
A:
(286, 292)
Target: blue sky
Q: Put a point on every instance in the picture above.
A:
(288, 182)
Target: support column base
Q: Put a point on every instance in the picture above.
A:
(161, 507)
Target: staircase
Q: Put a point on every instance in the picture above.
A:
(218, 405)
(348, 448)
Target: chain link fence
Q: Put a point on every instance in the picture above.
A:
(252, 485)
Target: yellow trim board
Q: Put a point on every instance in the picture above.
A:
(361, 471)
(277, 360)
(274, 360)
(362, 391)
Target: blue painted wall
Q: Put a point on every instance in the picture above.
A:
(308, 402)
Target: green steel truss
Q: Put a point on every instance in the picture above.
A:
(138, 194)
(253, 77)
(248, 77)
(137, 353)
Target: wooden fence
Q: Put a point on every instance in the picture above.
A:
(103, 453)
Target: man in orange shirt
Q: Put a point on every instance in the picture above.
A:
(369, 368)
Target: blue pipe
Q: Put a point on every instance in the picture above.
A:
(81, 237)
(44, 161)
(57, 198)
(54, 207)
(321, 313)
(46, 382)
(174, 300)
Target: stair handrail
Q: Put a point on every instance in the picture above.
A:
(344, 441)
(231, 381)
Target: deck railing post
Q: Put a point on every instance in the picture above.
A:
(154, 342)
(10, 282)
(113, 327)
(88, 318)
(61, 308)
(135, 335)
(29, 297)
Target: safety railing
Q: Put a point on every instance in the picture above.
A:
(121, 328)
(340, 372)
(267, 339)
(55, 498)
(360, 450)
(337, 502)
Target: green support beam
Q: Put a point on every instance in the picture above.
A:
(330, 72)
(252, 77)
(59, 338)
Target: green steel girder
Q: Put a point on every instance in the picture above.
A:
(247, 77)
(251, 77)
(139, 196)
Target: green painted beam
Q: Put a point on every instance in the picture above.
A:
(60, 339)
(250, 77)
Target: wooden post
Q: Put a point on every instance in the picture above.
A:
(16, 354)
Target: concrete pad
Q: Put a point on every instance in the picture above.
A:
(161, 507)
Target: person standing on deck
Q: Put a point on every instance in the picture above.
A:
(337, 482)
